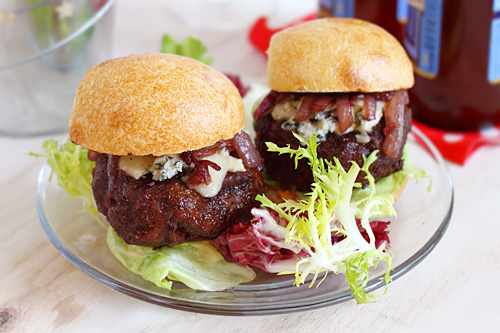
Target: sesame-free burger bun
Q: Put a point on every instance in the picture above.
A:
(337, 55)
(396, 194)
(154, 104)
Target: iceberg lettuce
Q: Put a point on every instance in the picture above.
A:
(197, 264)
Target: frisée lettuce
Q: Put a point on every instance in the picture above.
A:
(386, 186)
(328, 209)
(73, 170)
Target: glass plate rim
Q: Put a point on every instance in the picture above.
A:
(246, 309)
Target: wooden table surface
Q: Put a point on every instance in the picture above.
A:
(454, 288)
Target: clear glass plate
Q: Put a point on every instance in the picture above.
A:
(423, 217)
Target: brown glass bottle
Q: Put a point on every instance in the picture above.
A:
(384, 13)
(461, 96)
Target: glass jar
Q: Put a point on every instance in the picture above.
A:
(46, 47)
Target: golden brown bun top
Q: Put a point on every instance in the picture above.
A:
(154, 104)
(337, 55)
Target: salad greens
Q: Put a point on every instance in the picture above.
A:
(73, 170)
(196, 264)
(189, 47)
(332, 206)
(328, 209)
(387, 185)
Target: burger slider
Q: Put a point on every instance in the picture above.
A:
(343, 80)
(172, 164)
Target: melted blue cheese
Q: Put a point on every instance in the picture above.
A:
(168, 166)
(163, 167)
(327, 121)
(286, 110)
(227, 164)
(136, 166)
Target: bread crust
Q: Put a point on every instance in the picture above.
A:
(399, 190)
(154, 104)
(337, 55)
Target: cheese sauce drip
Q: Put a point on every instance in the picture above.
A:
(326, 121)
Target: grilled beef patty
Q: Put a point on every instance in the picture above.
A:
(158, 213)
(345, 147)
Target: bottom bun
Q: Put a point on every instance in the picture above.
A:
(399, 190)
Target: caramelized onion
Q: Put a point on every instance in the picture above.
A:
(394, 124)
(241, 143)
(208, 151)
(384, 95)
(92, 155)
(370, 107)
(284, 96)
(313, 103)
(266, 104)
(201, 174)
(321, 102)
(405, 97)
(305, 109)
(246, 151)
(113, 164)
(344, 112)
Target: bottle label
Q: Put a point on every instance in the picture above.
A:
(339, 8)
(423, 35)
(402, 11)
(494, 54)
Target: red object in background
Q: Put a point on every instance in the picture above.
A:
(459, 146)
(99, 4)
(260, 34)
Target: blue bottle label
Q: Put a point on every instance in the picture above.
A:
(423, 35)
(494, 54)
(346, 8)
(339, 8)
(402, 11)
(496, 6)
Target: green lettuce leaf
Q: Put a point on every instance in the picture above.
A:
(73, 170)
(198, 264)
(358, 269)
(386, 186)
(189, 47)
